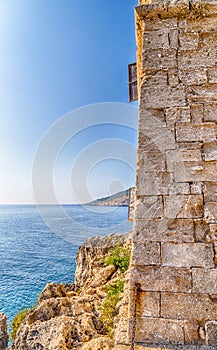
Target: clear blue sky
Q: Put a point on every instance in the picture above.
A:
(56, 56)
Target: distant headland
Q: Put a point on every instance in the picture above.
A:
(120, 199)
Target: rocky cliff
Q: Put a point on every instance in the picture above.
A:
(73, 316)
(3, 332)
(120, 199)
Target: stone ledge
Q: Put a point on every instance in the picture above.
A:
(178, 8)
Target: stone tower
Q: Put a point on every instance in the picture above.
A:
(173, 275)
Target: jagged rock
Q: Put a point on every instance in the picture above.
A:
(91, 253)
(68, 316)
(3, 332)
(98, 344)
(54, 290)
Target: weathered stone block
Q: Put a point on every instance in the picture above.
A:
(156, 140)
(197, 113)
(196, 59)
(183, 206)
(151, 160)
(173, 37)
(205, 93)
(156, 39)
(160, 96)
(177, 114)
(176, 156)
(150, 207)
(174, 230)
(186, 132)
(202, 230)
(188, 306)
(159, 23)
(201, 24)
(210, 150)
(210, 192)
(191, 333)
(156, 279)
(212, 75)
(213, 232)
(147, 254)
(187, 255)
(148, 304)
(159, 58)
(192, 76)
(188, 41)
(196, 188)
(158, 330)
(151, 78)
(195, 171)
(211, 333)
(210, 211)
(204, 281)
(151, 119)
(159, 183)
(210, 112)
(151, 152)
(173, 77)
(189, 145)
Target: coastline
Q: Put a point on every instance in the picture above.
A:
(76, 307)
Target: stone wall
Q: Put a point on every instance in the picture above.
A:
(175, 230)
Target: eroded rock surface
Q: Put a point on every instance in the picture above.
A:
(3, 332)
(68, 316)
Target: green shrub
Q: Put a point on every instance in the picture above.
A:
(108, 307)
(119, 257)
(16, 321)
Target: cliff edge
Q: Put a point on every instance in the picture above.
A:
(82, 315)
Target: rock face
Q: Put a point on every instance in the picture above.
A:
(3, 332)
(68, 316)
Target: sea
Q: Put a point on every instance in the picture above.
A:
(38, 245)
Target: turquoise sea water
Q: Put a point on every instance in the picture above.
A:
(32, 255)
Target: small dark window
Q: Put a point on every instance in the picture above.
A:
(132, 82)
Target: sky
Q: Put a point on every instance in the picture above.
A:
(59, 57)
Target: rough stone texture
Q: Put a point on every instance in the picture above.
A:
(176, 191)
(99, 343)
(202, 230)
(173, 157)
(205, 132)
(3, 332)
(210, 112)
(159, 330)
(204, 281)
(165, 230)
(210, 150)
(69, 316)
(160, 183)
(189, 306)
(196, 171)
(162, 278)
(187, 255)
(211, 333)
(183, 207)
(88, 253)
(150, 207)
(149, 304)
(147, 254)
